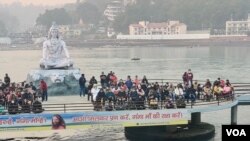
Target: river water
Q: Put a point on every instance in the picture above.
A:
(155, 62)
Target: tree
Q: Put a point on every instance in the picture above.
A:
(88, 12)
(144, 10)
(100, 4)
(121, 24)
(3, 30)
(60, 16)
(196, 14)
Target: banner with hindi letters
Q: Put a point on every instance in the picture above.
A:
(93, 119)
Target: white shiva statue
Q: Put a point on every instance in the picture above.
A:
(55, 52)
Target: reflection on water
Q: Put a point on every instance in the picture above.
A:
(156, 62)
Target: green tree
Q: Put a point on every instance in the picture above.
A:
(134, 13)
(3, 30)
(88, 12)
(100, 4)
(60, 16)
(121, 24)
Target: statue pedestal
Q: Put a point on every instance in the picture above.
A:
(59, 81)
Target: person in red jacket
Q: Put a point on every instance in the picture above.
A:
(44, 88)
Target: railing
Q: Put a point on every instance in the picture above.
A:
(127, 105)
(177, 81)
(239, 89)
(160, 105)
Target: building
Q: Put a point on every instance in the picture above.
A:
(171, 30)
(164, 28)
(69, 31)
(76, 30)
(116, 7)
(38, 31)
(238, 27)
(63, 29)
(21, 38)
(5, 41)
(110, 32)
(129, 2)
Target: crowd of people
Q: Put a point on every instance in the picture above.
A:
(15, 96)
(132, 93)
(137, 93)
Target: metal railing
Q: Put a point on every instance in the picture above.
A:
(239, 89)
(130, 105)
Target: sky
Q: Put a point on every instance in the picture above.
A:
(38, 2)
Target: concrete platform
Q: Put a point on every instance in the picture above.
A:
(244, 100)
(204, 131)
(74, 103)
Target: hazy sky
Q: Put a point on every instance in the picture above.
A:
(38, 2)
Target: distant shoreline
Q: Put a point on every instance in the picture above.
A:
(77, 43)
(233, 41)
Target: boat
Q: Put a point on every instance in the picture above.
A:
(135, 58)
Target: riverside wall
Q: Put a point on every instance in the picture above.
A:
(213, 41)
(74, 42)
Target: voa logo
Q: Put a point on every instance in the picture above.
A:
(236, 132)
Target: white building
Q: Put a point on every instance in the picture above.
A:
(129, 2)
(171, 30)
(238, 27)
(116, 7)
(110, 32)
(113, 9)
(5, 41)
(68, 31)
(164, 28)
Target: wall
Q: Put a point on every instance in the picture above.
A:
(165, 37)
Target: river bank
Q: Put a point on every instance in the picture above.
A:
(159, 44)
(212, 42)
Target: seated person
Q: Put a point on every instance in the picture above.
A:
(27, 96)
(179, 92)
(94, 92)
(207, 92)
(101, 96)
(33, 90)
(37, 107)
(133, 94)
(116, 90)
(227, 90)
(2, 98)
(169, 103)
(152, 94)
(217, 90)
(121, 94)
(12, 97)
(110, 96)
(121, 97)
(26, 106)
(13, 108)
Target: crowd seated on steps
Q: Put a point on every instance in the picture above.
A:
(112, 94)
(19, 97)
(141, 94)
